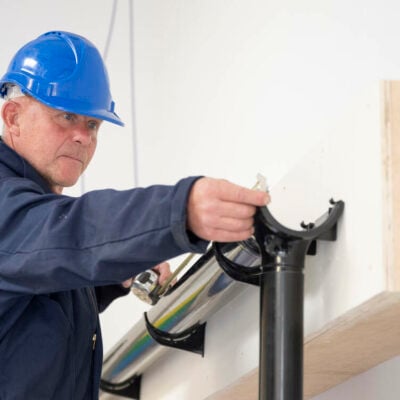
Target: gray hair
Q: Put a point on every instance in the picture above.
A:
(11, 91)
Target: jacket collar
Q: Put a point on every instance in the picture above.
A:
(18, 166)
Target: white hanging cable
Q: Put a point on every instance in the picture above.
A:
(110, 30)
(105, 55)
(133, 108)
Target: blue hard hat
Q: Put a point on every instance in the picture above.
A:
(64, 71)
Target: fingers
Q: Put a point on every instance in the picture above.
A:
(231, 192)
(219, 210)
(224, 233)
(164, 271)
(235, 210)
(225, 236)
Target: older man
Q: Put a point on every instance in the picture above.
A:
(61, 258)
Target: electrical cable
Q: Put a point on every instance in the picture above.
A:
(110, 30)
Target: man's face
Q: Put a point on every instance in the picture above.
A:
(58, 144)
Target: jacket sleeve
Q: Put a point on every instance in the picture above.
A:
(51, 243)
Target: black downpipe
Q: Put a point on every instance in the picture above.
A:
(281, 280)
(281, 334)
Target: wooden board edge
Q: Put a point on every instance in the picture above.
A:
(391, 181)
(351, 344)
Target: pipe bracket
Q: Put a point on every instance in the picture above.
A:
(191, 339)
(279, 246)
(129, 388)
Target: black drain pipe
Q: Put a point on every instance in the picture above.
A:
(281, 331)
(281, 280)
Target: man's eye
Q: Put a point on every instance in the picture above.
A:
(93, 125)
(69, 116)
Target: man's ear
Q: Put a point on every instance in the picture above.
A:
(10, 113)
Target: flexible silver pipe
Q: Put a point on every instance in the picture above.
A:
(203, 290)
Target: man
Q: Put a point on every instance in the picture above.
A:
(62, 259)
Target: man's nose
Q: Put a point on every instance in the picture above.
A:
(82, 134)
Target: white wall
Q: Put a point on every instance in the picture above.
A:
(229, 89)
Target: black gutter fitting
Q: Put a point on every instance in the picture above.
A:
(281, 279)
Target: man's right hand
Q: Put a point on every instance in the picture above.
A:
(221, 211)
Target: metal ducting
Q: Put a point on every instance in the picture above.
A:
(178, 318)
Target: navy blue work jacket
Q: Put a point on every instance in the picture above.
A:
(61, 261)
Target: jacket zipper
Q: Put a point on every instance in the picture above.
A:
(94, 338)
(93, 301)
(95, 309)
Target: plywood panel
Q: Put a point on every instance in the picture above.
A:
(391, 170)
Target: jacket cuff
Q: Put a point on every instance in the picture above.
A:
(185, 239)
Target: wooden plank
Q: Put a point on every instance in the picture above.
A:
(391, 189)
(361, 339)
